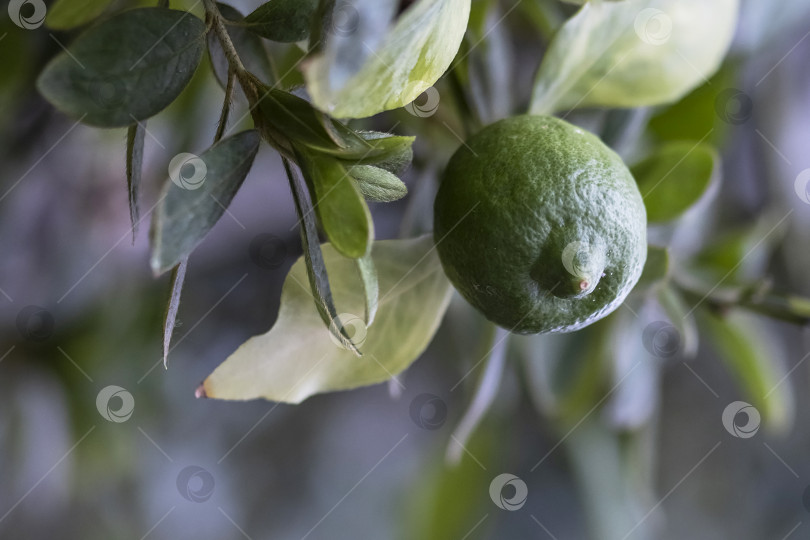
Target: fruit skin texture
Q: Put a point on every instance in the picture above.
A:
(539, 225)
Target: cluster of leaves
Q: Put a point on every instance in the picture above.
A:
(602, 56)
(341, 167)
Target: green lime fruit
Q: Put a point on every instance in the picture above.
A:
(539, 225)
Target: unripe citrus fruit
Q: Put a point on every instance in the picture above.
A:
(539, 225)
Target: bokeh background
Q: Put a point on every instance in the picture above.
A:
(80, 312)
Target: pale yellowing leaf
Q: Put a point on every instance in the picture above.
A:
(298, 357)
(411, 57)
(633, 53)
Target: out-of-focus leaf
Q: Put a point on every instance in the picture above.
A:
(698, 115)
(192, 202)
(248, 45)
(353, 78)
(613, 506)
(674, 178)
(740, 255)
(539, 357)
(297, 358)
(377, 184)
(282, 20)
(763, 23)
(170, 321)
(114, 73)
(566, 375)
(287, 68)
(753, 360)
(67, 14)
(635, 379)
(656, 268)
(789, 308)
(315, 265)
(371, 286)
(678, 314)
(135, 137)
(491, 65)
(435, 511)
(340, 206)
(633, 53)
(484, 396)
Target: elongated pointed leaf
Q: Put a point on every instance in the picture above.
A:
(339, 204)
(371, 286)
(635, 373)
(604, 474)
(752, 359)
(485, 392)
(200, 189)
(128, 68)
(173, 305)
(67, 14)
(135, 137)
(674, 178)
(297, 358)
(684, 321)
(408, 59)
(282, 20)
(313, 259)
(292, 118)
(633, 53)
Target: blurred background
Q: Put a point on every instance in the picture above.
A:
(649, 453)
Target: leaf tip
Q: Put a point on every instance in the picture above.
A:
(157, 268)
(200, 392)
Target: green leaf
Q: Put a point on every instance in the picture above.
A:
(431, 506)
(371, 286)
(408, 59)
(485, 392)
(679, 315)
(249, 46)
(172, 306)
(613, 505)
(696, 115)
(128, 68)
(674, 178)
(68, 14)
(566, 373)
(377, 184)
(390, 152)
(282, 20)
(315, 265)
(632, 54)
(135, 136)
(297, 358)
(751, 357)
(287, 117)
(656, 268)
(200, 189)
(339, 204)
(635, 370)
(741, 254)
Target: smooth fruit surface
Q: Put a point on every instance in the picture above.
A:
(539, 225)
